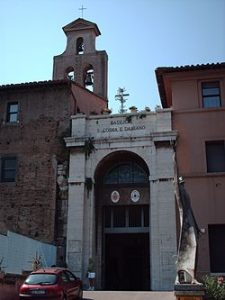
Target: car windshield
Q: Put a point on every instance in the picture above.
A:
(41, 279)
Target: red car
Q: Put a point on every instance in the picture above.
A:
(51, 283)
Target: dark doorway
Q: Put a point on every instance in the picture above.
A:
(127, 262)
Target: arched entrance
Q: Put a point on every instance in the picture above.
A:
(122, 222)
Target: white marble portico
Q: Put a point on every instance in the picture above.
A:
(150, 136)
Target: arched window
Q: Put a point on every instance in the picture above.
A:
(89, 78)
(128, 172)
(80, 46)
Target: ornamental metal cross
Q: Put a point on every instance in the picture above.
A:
(82, 10)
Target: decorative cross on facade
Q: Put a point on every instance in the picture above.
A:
(82, 10)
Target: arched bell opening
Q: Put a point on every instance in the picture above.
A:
(89, 78)
(70, 73)
(122, 222)
(80, 46)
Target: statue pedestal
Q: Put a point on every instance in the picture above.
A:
(189, 291)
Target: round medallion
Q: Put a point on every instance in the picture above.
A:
(135, 196)
(115, 196)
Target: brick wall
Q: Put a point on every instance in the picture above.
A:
(28, 205)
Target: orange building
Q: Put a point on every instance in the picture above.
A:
(197, 96)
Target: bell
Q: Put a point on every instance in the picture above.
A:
(88, 79)
(80, 48)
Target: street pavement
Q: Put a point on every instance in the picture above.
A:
(121, 295)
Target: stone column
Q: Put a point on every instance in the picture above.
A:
(75, 225)
(162, 219)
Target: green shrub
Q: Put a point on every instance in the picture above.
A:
(214, 287)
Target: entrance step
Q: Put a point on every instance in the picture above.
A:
(121, 295)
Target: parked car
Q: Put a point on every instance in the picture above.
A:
(51, 283)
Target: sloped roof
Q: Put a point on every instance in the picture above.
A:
(81, 24)
(162, 71)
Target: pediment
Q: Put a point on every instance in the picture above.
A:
(81, 24)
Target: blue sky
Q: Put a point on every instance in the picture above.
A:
(138, 35)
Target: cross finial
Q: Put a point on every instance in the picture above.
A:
(82, 10)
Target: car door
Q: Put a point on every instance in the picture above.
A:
(74, 285)
(66, 285)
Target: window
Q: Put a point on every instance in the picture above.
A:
(217, 248)
(215, 156)
(211, 94)
(119, 216)
(70, 276)
(8, 169)
(12, 112)
(126, 216)
(135, 216)
(124, 173)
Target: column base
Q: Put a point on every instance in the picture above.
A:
(189, 291)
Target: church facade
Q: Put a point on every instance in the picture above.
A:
(121, 200)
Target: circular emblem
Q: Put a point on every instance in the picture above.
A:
(135, 196)
(115, 196)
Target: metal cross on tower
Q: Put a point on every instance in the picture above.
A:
(120, 97)
(82, 10)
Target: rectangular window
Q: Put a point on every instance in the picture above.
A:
(215, 156)
(126, 216)
(119, 216)
(107, 217)
(135, 214)
(217, 248)
(146, 215)
(12, 112)
(8, 169)
(211, 94)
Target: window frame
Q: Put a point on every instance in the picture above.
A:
(140, 220)
(133, 178)
(215, 84)
(10, 113)
(3, 170)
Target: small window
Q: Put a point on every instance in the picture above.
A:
(107, 217)
(119, 216)
(12, 112)
(135, 216)
(211, 94)
(8, 169)
(215, 156)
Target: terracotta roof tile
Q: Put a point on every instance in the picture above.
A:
(192, 67)
(34, 84)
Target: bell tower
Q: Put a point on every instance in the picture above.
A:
(81, 61)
